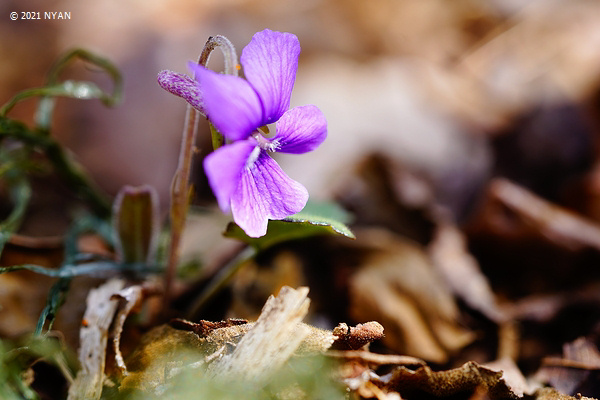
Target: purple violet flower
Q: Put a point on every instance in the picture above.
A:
(243, 176)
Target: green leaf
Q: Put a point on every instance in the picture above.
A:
(70, 170)
(56, 298)
(69, 88)
(75, 89)
(315, 219)
(45, 108)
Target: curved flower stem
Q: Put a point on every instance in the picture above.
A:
(219, 281)
(181, 189)
(231, 68)
(231, 65)
(180, 195)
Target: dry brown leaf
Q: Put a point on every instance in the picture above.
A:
(460, 269)
(399, 288)
(577, 372)
(559, 225)
(499, 381)
(463, 380)
(271, 341)
(553, 394)
(215, 346)
(526, 245)
(164, 348)
(203, 343)
(387, 195)
(512, 375)
(23, 294)
(544, 308)
(518, 71)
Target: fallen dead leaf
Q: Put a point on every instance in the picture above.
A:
(225, 351)
(513, 376)
(558, 225)
(578, 371)
(399, 287)
(463, 380)
(460, 269)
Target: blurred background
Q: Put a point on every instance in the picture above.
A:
(428, 103)
(429, 85)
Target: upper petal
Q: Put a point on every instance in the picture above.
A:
(223, 168)
(270, 63)
(300, 130)
(230, 102)
(183, 86)
(265, 192)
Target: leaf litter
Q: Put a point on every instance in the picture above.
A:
(479, 281)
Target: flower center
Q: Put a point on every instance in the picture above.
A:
(264, 143)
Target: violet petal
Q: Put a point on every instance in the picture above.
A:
(270, 63)
(265, 192)
(183, 86)
(300, 130)
(223, 168)
(230, 102)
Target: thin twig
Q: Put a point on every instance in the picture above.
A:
(375, 358)
(571, 364)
